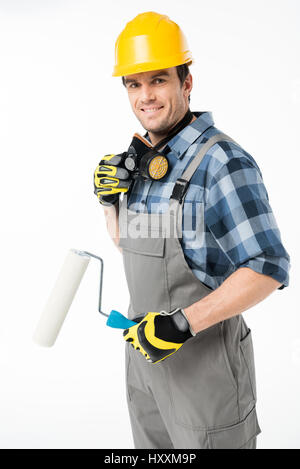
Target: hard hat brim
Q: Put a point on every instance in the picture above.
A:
(149, 66)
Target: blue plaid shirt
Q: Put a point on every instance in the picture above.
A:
(227, 194)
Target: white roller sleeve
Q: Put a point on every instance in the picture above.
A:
(61, 298)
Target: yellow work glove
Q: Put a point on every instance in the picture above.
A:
(159, 335)
(111, 178)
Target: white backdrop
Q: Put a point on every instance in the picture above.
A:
(60, 111)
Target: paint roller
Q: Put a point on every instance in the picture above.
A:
(63, 294)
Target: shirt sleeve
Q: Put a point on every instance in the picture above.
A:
(240, 218)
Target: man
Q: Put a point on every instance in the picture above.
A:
(200, 246)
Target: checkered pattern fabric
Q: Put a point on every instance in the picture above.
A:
(228, 222)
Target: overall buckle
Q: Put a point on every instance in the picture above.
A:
(179, 190)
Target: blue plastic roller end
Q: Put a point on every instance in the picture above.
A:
(118, 321)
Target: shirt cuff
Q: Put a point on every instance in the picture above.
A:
(275, 267)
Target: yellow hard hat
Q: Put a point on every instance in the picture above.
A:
(150, 42)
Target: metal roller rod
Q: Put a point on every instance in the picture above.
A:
(85, 253)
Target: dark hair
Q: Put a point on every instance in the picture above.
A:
(182, 72)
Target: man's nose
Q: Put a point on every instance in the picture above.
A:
(147, 94)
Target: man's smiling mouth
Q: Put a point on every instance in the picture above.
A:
(152, 110)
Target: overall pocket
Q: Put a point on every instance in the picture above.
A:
(203, 393)
(235, 436)
(247, 381)
(145, 271)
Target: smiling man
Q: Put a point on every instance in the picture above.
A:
(158, 100)
(190, 369)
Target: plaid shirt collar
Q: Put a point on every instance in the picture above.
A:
(181, 142)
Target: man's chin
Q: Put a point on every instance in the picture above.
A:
(157, 129)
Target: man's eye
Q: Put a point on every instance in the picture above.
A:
(136, 85)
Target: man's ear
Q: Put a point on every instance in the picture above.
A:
(188, 85)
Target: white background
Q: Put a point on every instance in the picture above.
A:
(60, 111)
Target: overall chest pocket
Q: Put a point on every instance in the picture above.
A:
(145, 271)
(153, 247)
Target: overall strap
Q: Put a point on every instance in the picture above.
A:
(182, 183)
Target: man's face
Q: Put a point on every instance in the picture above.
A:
(157, 98)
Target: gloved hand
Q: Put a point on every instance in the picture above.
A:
(159, 335)
(111, 178)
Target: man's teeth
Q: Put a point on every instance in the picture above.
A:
(152, 110)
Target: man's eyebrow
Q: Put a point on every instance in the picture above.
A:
(159, 74)
(133, 80)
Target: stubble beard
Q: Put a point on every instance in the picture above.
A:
(162, 129)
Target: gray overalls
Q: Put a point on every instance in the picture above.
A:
(204, 395)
